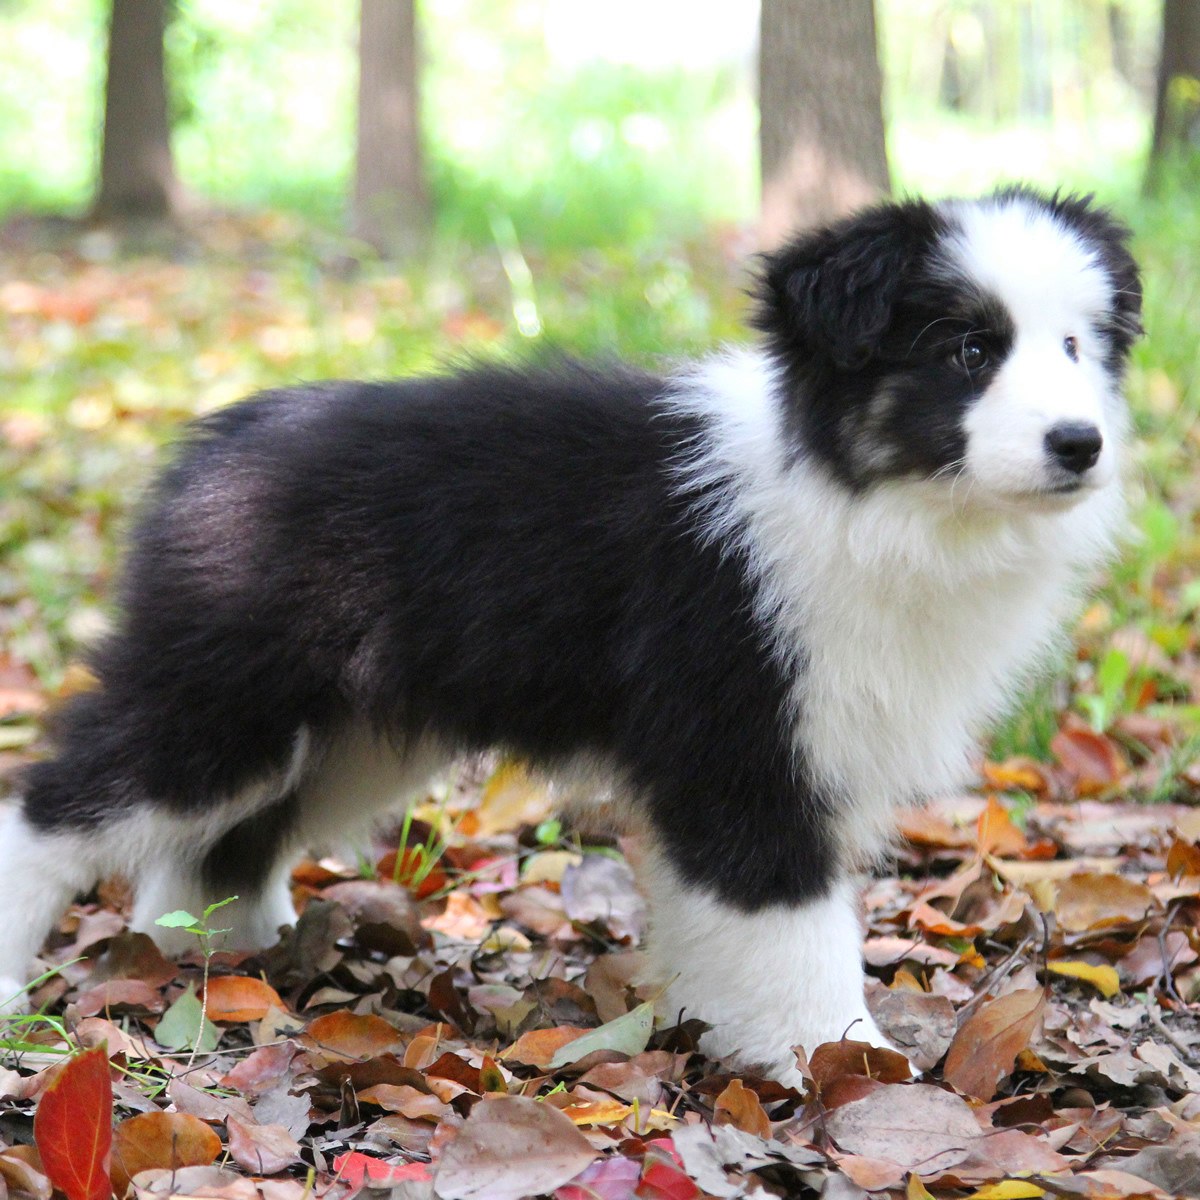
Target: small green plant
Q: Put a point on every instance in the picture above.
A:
(206, 1032)
(17, 1029)
(416, 860)
(1108, 701)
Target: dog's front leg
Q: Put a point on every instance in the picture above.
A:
(767, 979)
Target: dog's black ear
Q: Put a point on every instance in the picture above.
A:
(831, 293)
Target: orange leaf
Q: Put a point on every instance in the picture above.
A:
(1183, 859)
(160, 1139)
(997, 833)
(1024, 773)
(987, 1044)
(352, 1036)
(73, 1127)
(240, 998)
(465, 918)
(537, 1047)
(738, 1105)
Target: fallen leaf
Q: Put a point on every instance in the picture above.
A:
(987, 1044)
(612, 1178)
(626, 1035)
(537, 1047)
(351, 1035)
(181, 1026)
(22, 1178)
(1104, 978)
(916, 1126)
(239, 998)
(359, 1170)
(1089, 900)
(511, 1147)
(73, 1126)
(739, 1106)
(464, 918)
(262, 1149)
(996, 832)
(835, 1060)
(1093, 760)
(160, 1139)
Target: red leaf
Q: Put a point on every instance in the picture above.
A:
(356, 1168)
(664, 1179)
(73, 1127)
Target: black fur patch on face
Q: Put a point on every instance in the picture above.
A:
(867, 332)
(869, 329)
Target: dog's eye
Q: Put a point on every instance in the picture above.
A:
(1071, 346)
(972, 355)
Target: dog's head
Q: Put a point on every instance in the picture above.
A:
(980, 343)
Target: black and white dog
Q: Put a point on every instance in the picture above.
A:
(769, 597)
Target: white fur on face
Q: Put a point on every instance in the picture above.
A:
(1053, 287)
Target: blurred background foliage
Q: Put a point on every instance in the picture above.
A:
(594, 182)
(583, 123)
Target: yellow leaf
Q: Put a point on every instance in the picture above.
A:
(511, 797)
(1104, 979)
(549, 866)
(1008, 1189)
(597, 1112)
(916, 1190)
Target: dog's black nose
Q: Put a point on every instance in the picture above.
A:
(1074, 445)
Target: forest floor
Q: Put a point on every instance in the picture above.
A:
(453, 1014)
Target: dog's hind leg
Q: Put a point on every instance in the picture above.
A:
(353, 780)
(41, 870)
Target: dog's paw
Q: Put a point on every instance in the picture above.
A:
(14, 996)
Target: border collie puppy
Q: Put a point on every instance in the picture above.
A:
(770, 596)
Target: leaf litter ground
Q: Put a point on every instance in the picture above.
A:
(454, 1014)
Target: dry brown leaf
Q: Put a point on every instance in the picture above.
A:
(1093, 901)
(986, 1046)
(917, 1126)
(159, 1139)
(511, 1147)
(405, 1100)
(1094, 761)
(739, 1106)
(834, 1060)
(922, 1025)
(262, 1149)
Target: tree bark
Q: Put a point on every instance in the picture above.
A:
(391, 201)
(1177, 93)
(821, 112)
(137, 171)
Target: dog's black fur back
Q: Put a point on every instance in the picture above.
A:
(494, 557)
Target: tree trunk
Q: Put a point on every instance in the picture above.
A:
(821, 122)
(391, 202)
(137, 172)
(1177, 94)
